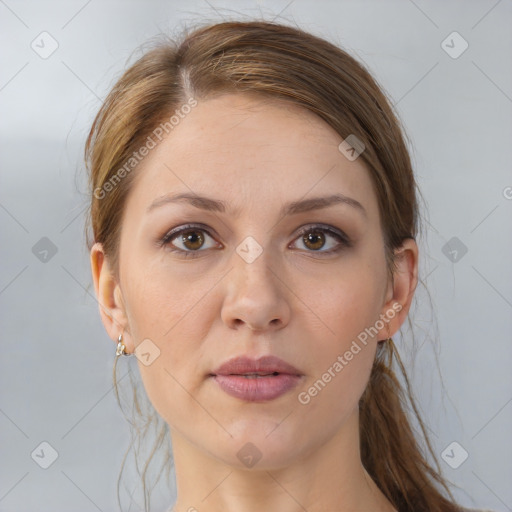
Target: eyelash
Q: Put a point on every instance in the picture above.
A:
(344, 241)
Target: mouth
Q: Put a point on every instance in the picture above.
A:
(256, 380)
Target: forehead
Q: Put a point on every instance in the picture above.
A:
(245, 149)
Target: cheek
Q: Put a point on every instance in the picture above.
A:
(348, 305)
(175, 312)
(161, 299)
(348, 300)
(342, 361)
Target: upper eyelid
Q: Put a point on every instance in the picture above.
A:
(322, 227)
(173, 233)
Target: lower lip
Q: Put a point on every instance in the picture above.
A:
(257, 389)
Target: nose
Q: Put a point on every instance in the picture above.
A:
(256, 296)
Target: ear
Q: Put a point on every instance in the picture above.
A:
(401, 289)
(110, 297)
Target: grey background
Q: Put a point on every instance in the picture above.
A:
(55, 369)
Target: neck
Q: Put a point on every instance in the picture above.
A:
(331, 477)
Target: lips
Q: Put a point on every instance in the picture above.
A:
(256, 380)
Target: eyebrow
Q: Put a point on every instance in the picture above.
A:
(292, 208)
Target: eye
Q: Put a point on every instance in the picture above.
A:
(322, 239)
(188, 239)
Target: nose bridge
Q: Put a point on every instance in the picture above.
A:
(252, 273)
(255, 296)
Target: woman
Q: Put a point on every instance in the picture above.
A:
(254, 215)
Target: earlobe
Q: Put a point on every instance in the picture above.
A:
(108, 294)
(405, 280)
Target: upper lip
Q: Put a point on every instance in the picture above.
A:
(265, 365)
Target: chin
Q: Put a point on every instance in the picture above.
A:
(259, 447)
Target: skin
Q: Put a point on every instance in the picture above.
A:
(295, 302)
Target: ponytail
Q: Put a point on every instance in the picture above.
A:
(390, 452)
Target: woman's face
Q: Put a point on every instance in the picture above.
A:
(268, 264)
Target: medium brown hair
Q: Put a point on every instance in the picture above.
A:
(288, 64)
